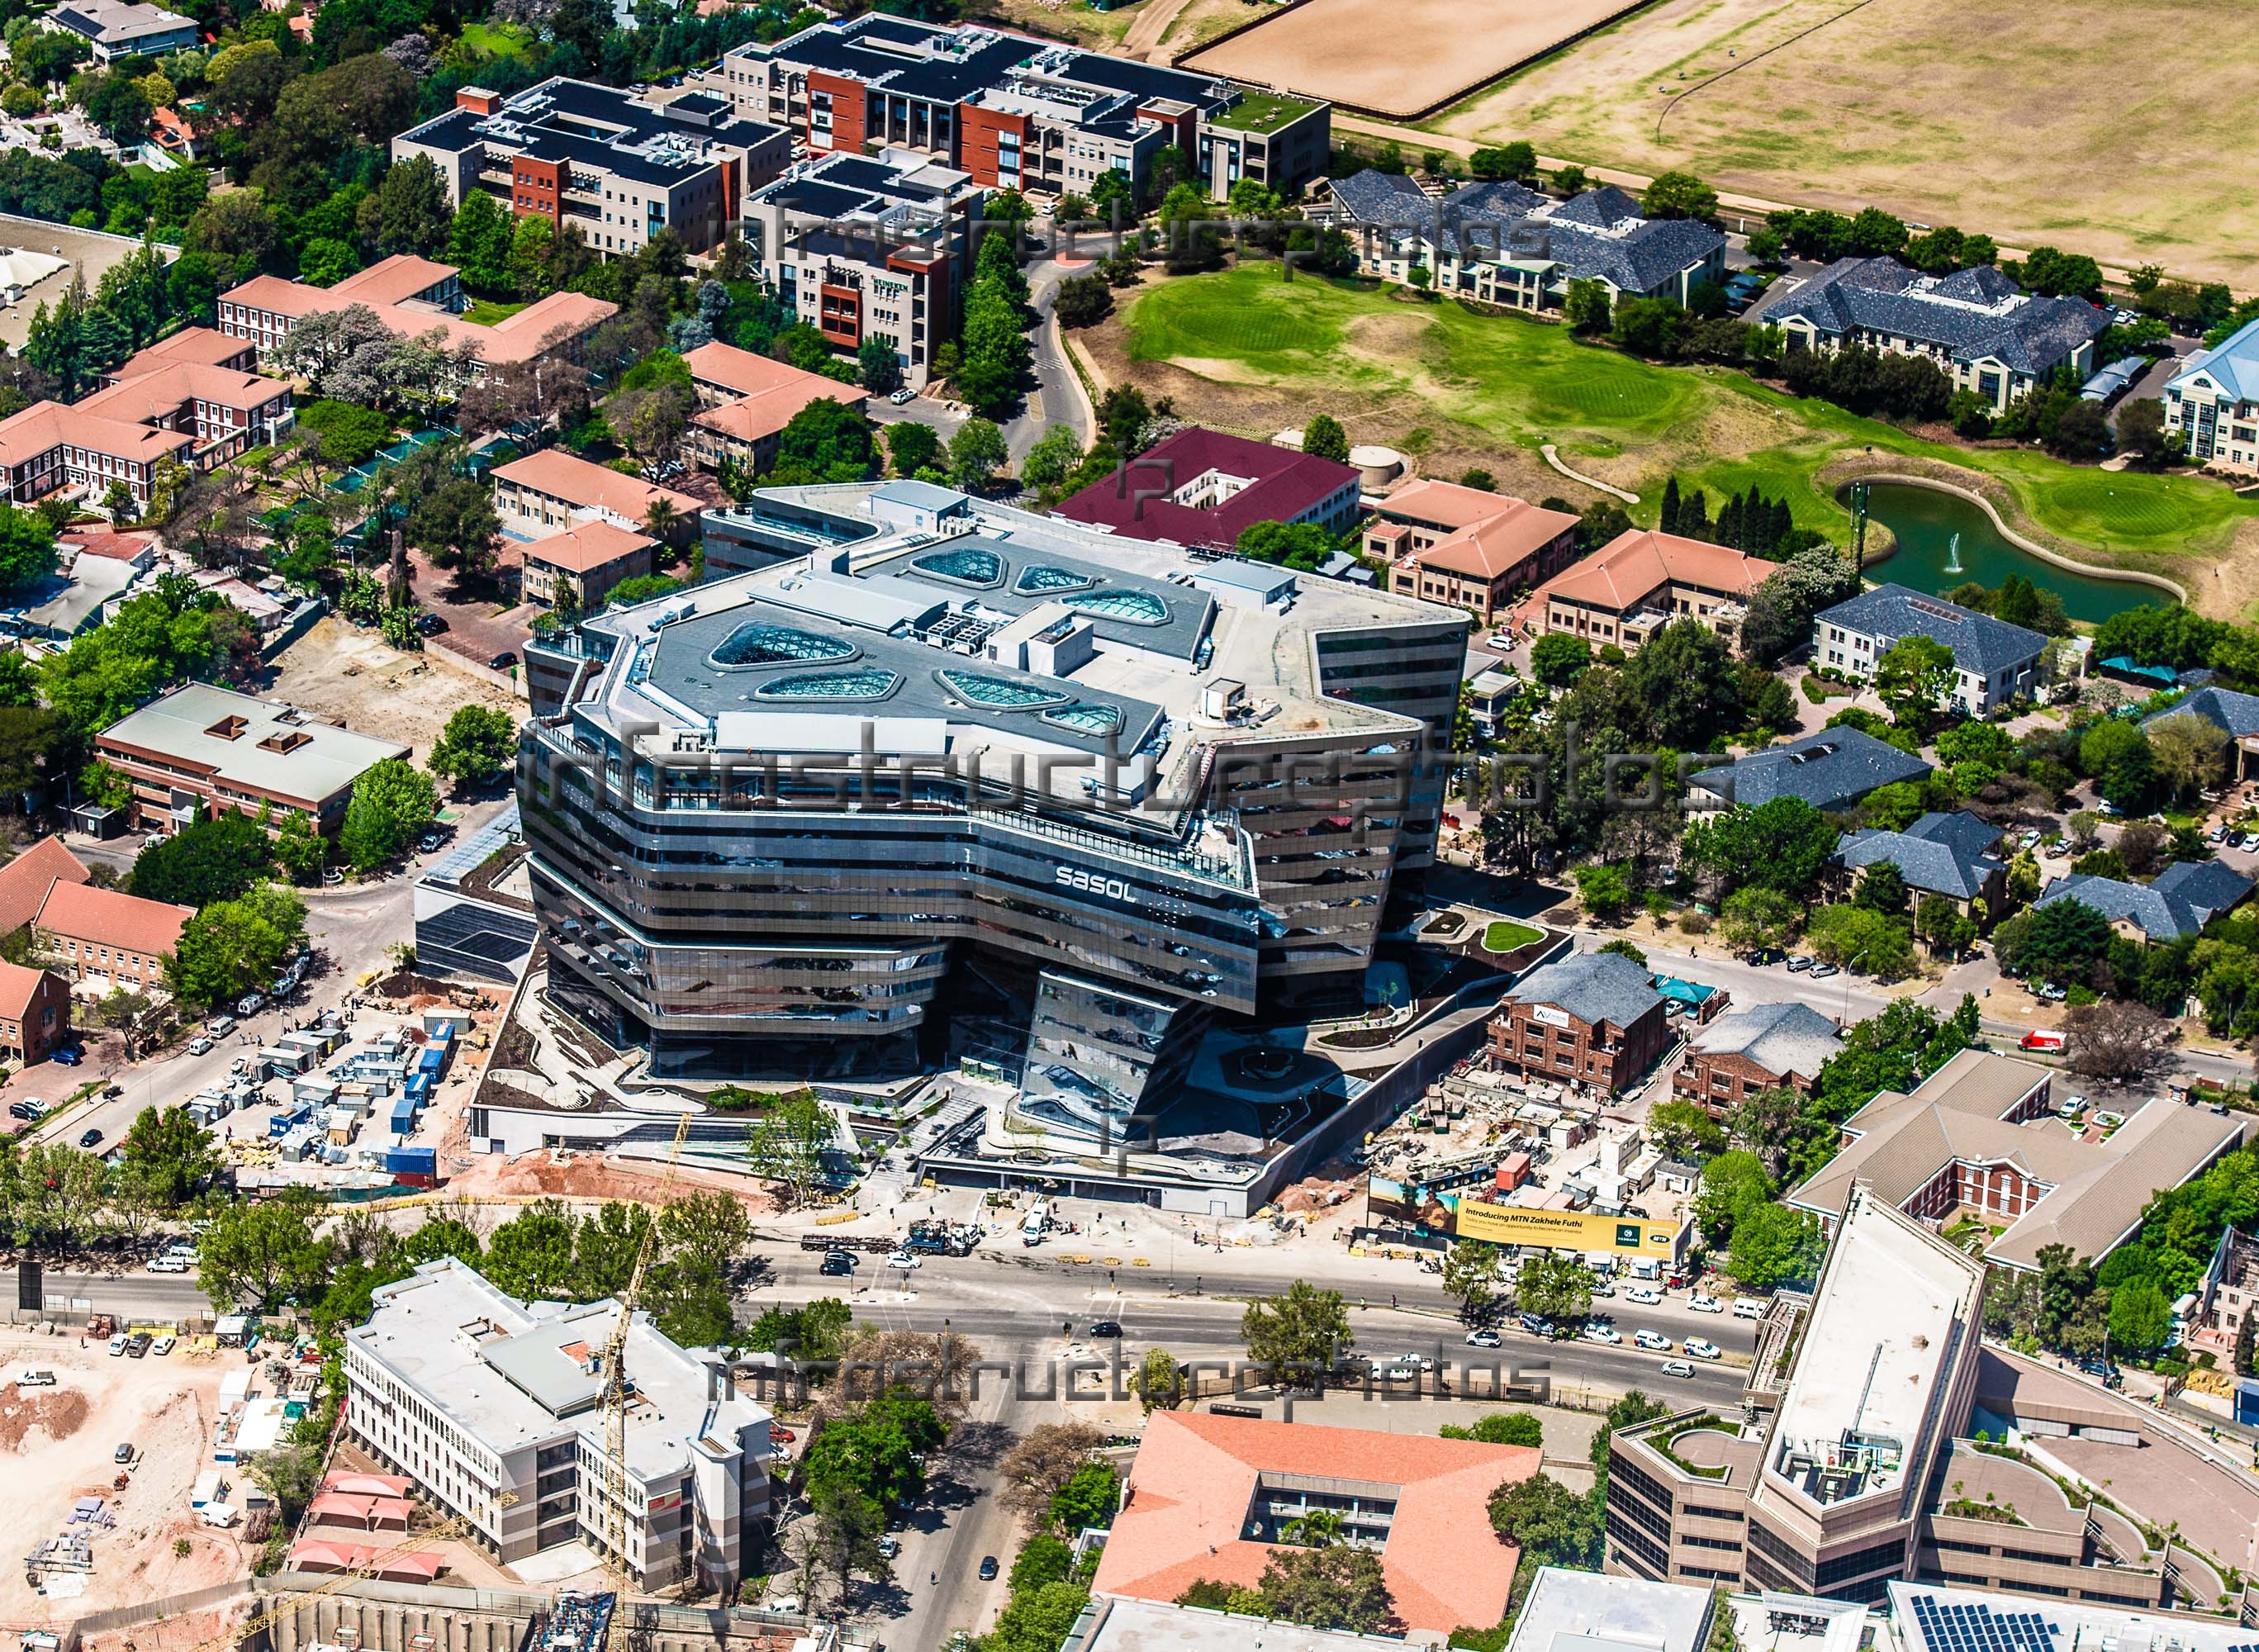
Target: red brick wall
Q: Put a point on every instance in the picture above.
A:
(977, 130)
(847, 113)
(537, 189)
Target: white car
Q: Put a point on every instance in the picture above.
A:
(903, 1260)
(1702, 1349)
(168, 1265)
(1484, 1339)
(33, 1377)
(1702, 1304)
(1654, 1341)
(117, 1345)
(200, 1045)
(1677, 1368)
(1749, 1307)
(1642, 1295)
(163, 1344)
(1602, 1334)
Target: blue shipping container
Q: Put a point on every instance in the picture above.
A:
(412, 1160)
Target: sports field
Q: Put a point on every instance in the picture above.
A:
(1245, 349)
(2115, 130)
(1407, 56)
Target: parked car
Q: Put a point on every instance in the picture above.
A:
(890, 1546)
(429, 624)
(34, 1378)
(1798, 964)
(137, 1344)
(429, 841)
(1678, 1368)
(250, 1003)
(1484, 1339)
(503, 661)
(1702, 1304)
(902, 395)
(1606, 1334)
(1821, 971)
(1646, 1296)
(2050, 992)
(1535, 1325)
(21, 1110)
(70, 1055)
(1748, 1308)
(1764, 955)
(200, 1045)
(1654, 1341)
(123, 1454)
(89, 1137)
(1703, 1348)
(168, 1265)
(117, 1351)
(220, 1026)
(163, 1345)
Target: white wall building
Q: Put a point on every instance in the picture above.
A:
(473, 1394)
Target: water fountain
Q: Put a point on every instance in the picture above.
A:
(1953, 555)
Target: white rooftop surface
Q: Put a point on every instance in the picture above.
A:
(1152, 1626)
(496, 1366)
(1880, 1328)
(1584, 1612)
(2073, 1626)
(177, 726)
(1770, 1622)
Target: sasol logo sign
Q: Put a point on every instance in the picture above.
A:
(1091, 883)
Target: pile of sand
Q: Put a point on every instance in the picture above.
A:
(31, 1418)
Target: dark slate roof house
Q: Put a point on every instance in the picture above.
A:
(1830, 770)
(2224, 708)
(2185, 897)
(1994, 660)
(1593, 986)
(1939, 854)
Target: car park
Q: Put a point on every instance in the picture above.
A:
(1702, 1304)
(1654, 1341)
(1646, 1296)
(1678, 1368)
(1484, 1339)
(1703, 1348)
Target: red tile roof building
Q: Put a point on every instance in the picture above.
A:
(1639, 581)
(585, 563)
(1200, 1479)
(745, 401)
(170, 401)
(1202, 488)
(549, 492)
(412, 297)
(1469, 548)
(24, 882)
(34, 1012)
(108, 937)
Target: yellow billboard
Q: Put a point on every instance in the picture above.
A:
(1580, 1230)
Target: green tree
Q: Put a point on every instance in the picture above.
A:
(299, 850)
(1156, 1381)
(1585, 307)
(1087, 1500)
(261, 1255)
(1323, 437)
(1499, 1428)
(479, 243)
(1679, 195)
(1774, 1245)
(1732, 1185)
(234, 947)
(531, 1256)
(838, 1542)
(477, 746)
(914, 447)
(878, 365)
(393, 802)
(1757, 919)
(1685, 1131)
(1051, 460)
(168, 1153)
(1304, 1331)
(1339, 1587)
(1781, 844)
(215, 858)
(1914, 677)
(1547, 1522)
(825, 441)
(976, 454)
(1881, 888)
(1556, 1287)
(1470, 1274)
(786, 1149)
(1557, 659)
(1605, 891)
(1855, 938)
(27, 549)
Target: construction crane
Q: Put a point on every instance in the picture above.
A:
(290, 1604)
(612, 1503)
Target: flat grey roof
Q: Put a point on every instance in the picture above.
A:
(1567, 1610)
(180, 726)
(1115, 1623)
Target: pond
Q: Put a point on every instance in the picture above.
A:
(1926, 523)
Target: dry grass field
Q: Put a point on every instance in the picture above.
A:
(1153, 30)
(2094, 125)
(1436, 49)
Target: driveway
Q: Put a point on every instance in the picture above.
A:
(1058, 398)
(478, 627)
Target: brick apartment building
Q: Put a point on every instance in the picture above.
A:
(1763, 1047)
(1467, 547)
(1592, 1021)
(34, 1012)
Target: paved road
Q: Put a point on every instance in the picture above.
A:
(128, 1293)
(1058, 398)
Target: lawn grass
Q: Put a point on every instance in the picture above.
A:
(496, 39)
(1519, 383)
(485, 312)
(1505, 935)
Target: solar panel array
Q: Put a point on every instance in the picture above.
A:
(1954, 1626)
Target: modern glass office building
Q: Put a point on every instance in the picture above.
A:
(943, 780)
